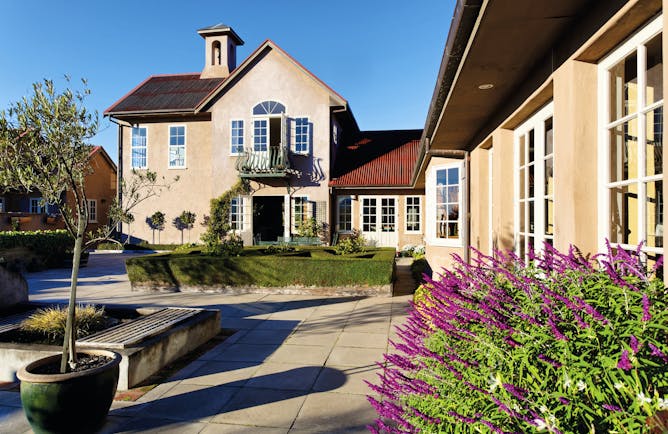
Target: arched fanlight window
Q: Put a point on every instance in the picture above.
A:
(269, 108)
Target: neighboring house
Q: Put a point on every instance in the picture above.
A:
(269, 121)
(546, 126)
(27, 212)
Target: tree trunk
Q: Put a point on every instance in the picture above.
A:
(69, 349)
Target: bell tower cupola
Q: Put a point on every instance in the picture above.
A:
(220, 44)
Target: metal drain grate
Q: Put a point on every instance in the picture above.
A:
(124, 335)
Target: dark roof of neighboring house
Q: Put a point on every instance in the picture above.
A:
(105, 156)
(166, 93)
(377, 159)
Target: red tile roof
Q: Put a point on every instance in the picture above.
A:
(165, 93)
(377, 159)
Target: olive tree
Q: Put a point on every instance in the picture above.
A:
(45, 147)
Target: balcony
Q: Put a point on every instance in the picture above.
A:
(273, 163)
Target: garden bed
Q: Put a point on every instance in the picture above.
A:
(306, 270)
(140, 360)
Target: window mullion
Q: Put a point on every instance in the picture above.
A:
(642, 139)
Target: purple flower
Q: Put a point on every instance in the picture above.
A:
(658, 353)
(646, 316)
(564, 401)
(635, 346)
(624, 362)
(546, 359)
(611, 407)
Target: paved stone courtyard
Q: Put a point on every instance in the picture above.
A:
(297, 363)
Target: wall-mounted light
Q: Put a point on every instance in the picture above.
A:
(485, 86)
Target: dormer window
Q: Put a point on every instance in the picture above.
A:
(268, 108)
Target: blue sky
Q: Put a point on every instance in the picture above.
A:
(382, 56)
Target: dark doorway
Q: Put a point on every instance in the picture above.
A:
(275, 132)
(267, 218)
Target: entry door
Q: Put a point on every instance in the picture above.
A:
(379, 220)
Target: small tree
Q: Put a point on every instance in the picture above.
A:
(185, 221)
(44, 146)
(156, 222)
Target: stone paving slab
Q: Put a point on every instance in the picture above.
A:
(297, 364)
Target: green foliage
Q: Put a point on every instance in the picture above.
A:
(50, 246)
(355, 243)
(218, 222)
(185, 220)
(279, 248)
(231, 245)
(157, 220)
(562, 344)
(313, 266)
(310, 228)
(185, 248)
(419, 268)
(50, 322)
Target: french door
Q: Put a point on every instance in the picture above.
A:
(379, 220)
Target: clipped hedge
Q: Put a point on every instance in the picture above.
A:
(306, 267)
(50, 246)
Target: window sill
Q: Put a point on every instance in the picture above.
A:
(445, 242)
(177, 168)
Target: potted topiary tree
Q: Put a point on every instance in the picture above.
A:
(44, 146)
(156, 222)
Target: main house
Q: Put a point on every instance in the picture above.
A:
(274, 124)
(546, 126)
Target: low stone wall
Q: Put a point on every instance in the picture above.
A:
(139, 362)
(380, 290)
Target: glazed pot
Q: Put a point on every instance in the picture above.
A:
(75, 402)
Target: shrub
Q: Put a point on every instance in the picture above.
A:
(231, 245)
(562, 344)
(184, 248)
(279, 248)
(355, 243)
(50, 322)
(419, 268)
(310, 228)
(50, 246)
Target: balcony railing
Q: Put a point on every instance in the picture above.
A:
(271, 163)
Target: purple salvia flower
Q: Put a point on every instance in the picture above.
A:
(611, 407)
(646, 316)
(657, 352)
(515, 391)
(555, 331)
(546, 359)
(564, 401)
(634, 344)
(624, 362)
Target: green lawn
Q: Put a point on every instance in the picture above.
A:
(305, 266)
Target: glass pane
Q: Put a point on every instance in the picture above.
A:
(624, 222)
(521, 241)
(531, 181)
(531, 244)
(440, 177)
(654, 68)
(522, 183)
(549, 217)
(654, 214)
(453, 194)
(523, 217)
(549, 177)
(453, 176)
(624, 88)
(453, 212)
(453, 230)
(624, 151)
(531, 146)
(522, 151)
(654, 148)
(548, 137)
(532, 218)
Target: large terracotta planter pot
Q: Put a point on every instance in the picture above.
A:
(76, 402)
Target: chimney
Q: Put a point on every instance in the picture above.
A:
(220, 45)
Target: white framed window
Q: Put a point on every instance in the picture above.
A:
(302, 135)
(534, 182)
(444, 203)
(36, 205)
(369, 215)
(138, 148)
(177, 147)
(237, 137)
(413, 213)
(92, 211)
(300, 211)
(631, 143)
(260, 134)
(344, 214)
(237, 205)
